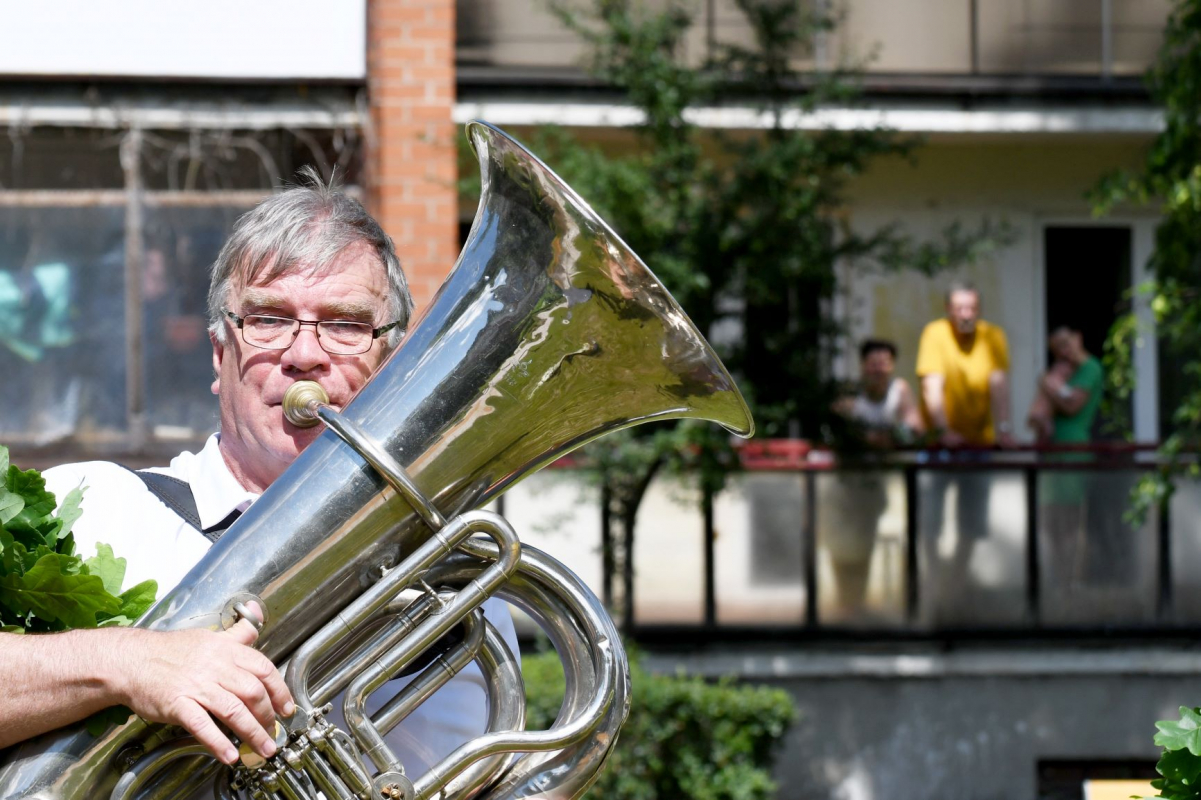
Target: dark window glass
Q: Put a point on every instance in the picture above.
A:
(181, 246)
(60, 159)
(212, 161)
(62, 343)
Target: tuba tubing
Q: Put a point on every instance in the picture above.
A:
(596, 699)
(549, 332)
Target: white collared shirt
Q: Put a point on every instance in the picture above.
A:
(120, 511)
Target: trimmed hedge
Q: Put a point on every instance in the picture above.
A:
(685, 737)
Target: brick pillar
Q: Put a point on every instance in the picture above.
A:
(411, 166)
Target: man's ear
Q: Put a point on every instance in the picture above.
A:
(218, 355)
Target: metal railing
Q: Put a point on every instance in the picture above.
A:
(937, 544)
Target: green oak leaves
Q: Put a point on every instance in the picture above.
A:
(44, 585)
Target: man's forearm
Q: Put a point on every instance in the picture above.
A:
(932, 386)
(998, 389)
(911, 415)
(51, 680)
(190, 678)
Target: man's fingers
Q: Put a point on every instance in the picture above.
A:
(197, 722)
(230, 709)
(249, 689)
(277, 689)
(278, 699)
(261, 667)
(244, 628)
(243, 632)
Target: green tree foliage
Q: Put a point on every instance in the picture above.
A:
(685, 737)
(1170, 177)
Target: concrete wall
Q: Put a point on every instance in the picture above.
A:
(974, 724)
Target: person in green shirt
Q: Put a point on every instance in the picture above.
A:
(1063, 412)
(1069, 393)
(1077, 399)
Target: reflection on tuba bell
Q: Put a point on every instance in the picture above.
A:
(548, 333)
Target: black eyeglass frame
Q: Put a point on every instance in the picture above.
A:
(240, 321)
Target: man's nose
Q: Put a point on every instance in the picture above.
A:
(305, 353)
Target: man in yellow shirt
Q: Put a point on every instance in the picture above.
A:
(963, 366)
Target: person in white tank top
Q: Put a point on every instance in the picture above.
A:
(851, 506)
(882, 412)
(885, 405)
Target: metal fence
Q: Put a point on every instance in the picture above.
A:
(926, 544)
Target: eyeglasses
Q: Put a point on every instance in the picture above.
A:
(336, 336)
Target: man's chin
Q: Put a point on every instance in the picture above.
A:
(302, 437)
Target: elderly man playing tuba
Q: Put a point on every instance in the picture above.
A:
(308, 287)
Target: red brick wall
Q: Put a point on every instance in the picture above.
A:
(411, 167)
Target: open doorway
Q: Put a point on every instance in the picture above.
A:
(1088, 274)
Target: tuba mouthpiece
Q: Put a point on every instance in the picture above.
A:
(301, 402)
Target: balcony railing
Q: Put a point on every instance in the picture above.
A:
(924, 544)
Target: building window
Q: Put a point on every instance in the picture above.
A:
(106, 240)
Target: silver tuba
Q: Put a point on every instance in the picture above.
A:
(548, 333)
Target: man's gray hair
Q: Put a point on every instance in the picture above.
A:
(961, 286)
(303, 227)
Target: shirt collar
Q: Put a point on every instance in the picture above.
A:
(216, 490)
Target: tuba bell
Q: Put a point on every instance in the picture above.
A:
(371, 547)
